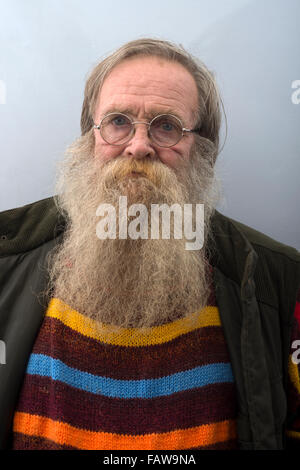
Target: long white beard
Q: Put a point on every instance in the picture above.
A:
(130, 283)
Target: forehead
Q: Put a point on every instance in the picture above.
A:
(147, 86)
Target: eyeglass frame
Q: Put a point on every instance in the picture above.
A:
(131, 134)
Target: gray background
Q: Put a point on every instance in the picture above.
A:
(47, 49)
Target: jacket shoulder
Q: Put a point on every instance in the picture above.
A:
(260, 241)
(277, 274)
(26, 227)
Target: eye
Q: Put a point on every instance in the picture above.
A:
(166, 125)
(120, 120)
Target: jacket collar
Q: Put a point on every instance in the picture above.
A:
(230, 251)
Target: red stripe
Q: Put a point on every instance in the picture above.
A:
(297, 313)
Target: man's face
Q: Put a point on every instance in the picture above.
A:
(142, 88)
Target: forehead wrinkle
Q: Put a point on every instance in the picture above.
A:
(148, 87)
(162, 105)
(150, 90)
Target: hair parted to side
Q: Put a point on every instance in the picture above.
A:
(209, 105)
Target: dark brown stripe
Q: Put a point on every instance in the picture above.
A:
(58, 401)
(200, 347)
(295, 333)
(24, 442)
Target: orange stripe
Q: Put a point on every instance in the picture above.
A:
(64, 434)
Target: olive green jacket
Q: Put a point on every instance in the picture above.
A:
(256, 282)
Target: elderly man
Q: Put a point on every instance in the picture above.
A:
(140, 343)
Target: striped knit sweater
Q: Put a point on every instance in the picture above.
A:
(293, 396)
(169, 387)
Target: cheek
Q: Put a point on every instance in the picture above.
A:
(105, 152)
(174, 158)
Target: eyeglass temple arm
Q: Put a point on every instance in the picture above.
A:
(197, 130)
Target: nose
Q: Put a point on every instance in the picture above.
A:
(140, 145)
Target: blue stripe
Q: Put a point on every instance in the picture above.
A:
(46, 366)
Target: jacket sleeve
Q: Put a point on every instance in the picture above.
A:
(293, 390)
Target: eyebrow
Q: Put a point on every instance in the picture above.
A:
(150, 115)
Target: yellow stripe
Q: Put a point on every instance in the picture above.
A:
(294, 374)
(65, 434)
(109, 334)
(293, 434)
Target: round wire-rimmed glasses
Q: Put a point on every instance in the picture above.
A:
(165, 130)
